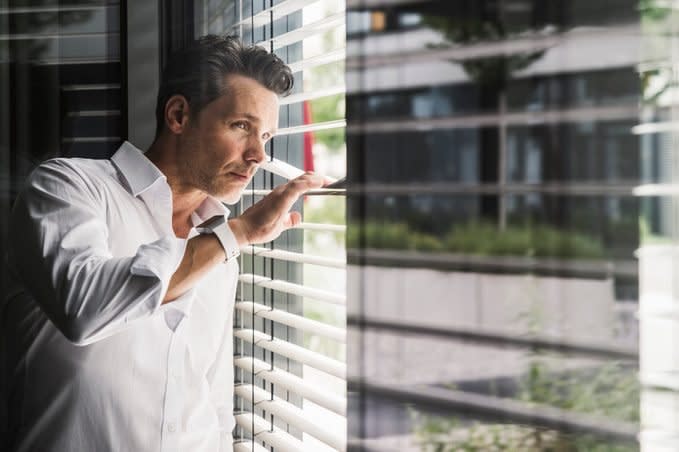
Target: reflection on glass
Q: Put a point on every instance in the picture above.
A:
(497, 223)
(60, 89)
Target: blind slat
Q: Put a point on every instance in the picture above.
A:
(281, 9)
(90, 87)
(656, 190)
(319, 60)
(324, 227)
(316, 191)
(282, 441)
(92, 113)
(52, 9)
(248, 446)
(293, 383)
(655, 127)
(301, 258)
(280, 168)
(311, 95)
(294, 289)
(300, 34)
(299, 354)
(289, 413)
(335, 124)
(292, 320)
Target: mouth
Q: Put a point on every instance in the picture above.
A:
(240, 176)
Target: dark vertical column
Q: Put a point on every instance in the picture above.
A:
(5, 161)
(143, 62)
(177, 26)
(123, 70)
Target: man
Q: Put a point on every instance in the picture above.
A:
(118, 337)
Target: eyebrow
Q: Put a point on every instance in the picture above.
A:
(251, 117)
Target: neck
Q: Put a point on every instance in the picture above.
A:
(185, 198)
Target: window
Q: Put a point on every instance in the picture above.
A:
(493, 224)
(60, 67)
(290, 315)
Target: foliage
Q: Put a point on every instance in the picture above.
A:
(478, 238)
(611, 391)
(656, 20)
(651, 10)
(647, 237)
(329, 108)
(391, 236)
(492, 71)
(331, 210)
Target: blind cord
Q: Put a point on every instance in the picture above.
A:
(252, 370)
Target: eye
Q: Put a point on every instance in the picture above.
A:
(241, 125)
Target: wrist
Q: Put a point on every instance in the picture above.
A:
(220, 228)
(238, 229)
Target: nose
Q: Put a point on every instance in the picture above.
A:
(255, 152)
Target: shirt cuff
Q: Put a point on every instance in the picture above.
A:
(159, 260)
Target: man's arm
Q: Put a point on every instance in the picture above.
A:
(262, 222)
(60, 250)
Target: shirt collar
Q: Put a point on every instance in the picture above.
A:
(139, 172)
(208, 209)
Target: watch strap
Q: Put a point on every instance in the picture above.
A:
(228, 240)
(219, 226)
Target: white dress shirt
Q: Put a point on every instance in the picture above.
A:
(93, 361)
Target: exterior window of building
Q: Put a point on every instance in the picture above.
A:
(510, 193)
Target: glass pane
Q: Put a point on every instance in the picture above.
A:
(498, 222)
(60, 89)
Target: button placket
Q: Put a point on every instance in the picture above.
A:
(174, 392)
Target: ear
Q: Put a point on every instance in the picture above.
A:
(176, 114)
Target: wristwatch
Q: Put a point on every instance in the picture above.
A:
(218, 226)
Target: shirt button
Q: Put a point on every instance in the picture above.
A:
(171, 427)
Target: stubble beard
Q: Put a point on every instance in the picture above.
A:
(220, 187)
(211, 182)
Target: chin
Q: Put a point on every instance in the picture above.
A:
(231, 197)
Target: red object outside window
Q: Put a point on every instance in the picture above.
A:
(308, 139)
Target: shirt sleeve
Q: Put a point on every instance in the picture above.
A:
(59, 249)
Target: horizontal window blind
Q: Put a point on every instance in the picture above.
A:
(657, 254)
(289, 330)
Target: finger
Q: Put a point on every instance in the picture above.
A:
(284, 196)
(292, 219)
(311, 178)
(300, 185)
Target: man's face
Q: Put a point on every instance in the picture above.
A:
(224, 145)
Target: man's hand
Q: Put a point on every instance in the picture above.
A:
(265, 220)
(262, 222)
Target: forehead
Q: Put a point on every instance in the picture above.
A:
(246, 96)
